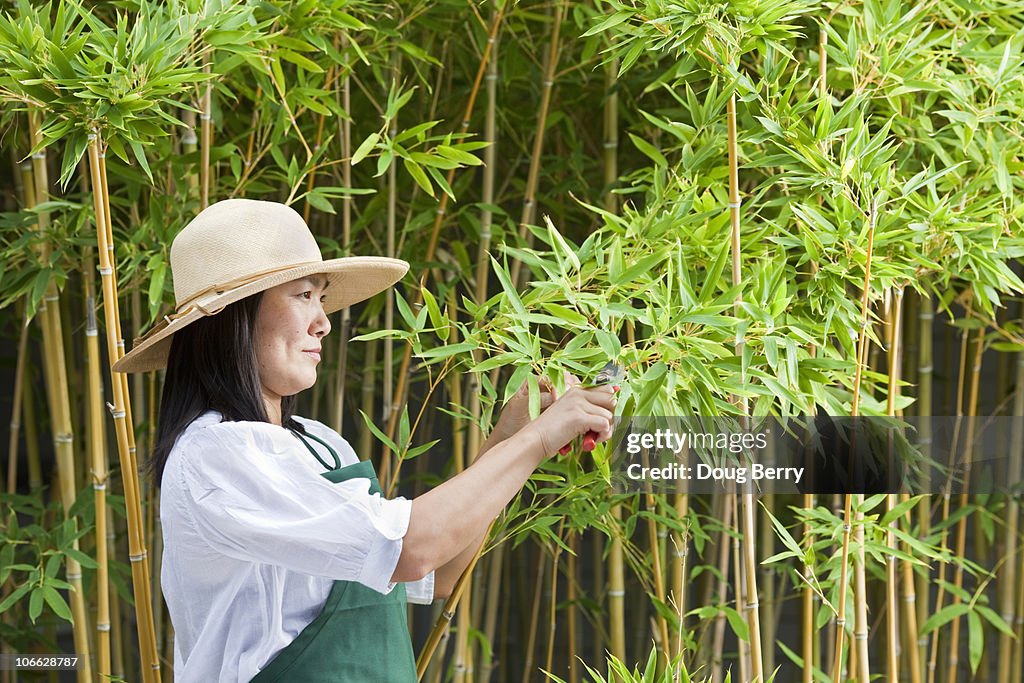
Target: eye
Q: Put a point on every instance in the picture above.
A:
(307, 294)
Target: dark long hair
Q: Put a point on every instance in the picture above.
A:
(212, 366)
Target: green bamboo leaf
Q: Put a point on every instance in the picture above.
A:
(609, 23)
(449, 350)
(379, 434)
(364, 148)
(13, 598)
(35, 604)
(416, 171)
(57, 603)
(300, 60)
(943, 616)
(975, 640)
(650, 151)
(506, 284)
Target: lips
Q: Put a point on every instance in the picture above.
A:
(315, 353)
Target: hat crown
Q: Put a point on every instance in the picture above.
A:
(235, 239)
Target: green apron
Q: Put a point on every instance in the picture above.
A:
(361, 636)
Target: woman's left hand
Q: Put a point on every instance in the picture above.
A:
(516, 413)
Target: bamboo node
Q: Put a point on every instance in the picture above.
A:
(860, 636)
(73, 576)
(53, 298)
(105, 271)
(910, 598)
(846, 527)
(91, 137)
(137, 558)
(103, 627)
(548, 83)
(491, 77)
(92, 332)
(100, 487)
(616, 594)
(39, 155)
(448, 616)
(753, 605)
(925, 369)
(611, 144)
(205, 117)
(734, 205)
(64, 438)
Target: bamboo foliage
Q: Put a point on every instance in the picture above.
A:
(905, 129)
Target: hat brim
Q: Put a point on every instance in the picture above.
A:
(350, 280)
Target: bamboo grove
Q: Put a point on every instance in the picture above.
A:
(759, 207)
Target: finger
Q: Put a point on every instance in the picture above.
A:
(571, 379)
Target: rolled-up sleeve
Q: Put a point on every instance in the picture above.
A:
(254, 498)
(420, 592)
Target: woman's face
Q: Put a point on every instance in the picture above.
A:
(290, 323)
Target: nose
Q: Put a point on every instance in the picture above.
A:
(322, 324)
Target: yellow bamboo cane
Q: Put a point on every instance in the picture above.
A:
(60, 408)
(125, 440)
(98, 457)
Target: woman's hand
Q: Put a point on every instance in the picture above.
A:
(516, 413)
(576, 412)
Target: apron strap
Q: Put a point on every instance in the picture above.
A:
(334, 455)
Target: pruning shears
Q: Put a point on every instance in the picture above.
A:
(611, 373)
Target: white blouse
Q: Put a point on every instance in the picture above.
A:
(254, 537)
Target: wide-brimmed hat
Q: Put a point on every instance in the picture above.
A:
(238, 247)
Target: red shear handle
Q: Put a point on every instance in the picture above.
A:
(589, 439)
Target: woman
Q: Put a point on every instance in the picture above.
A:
(282, 561)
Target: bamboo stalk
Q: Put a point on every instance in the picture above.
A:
(59, 402)
(961, 532)
(389, 299)
(739, 574)
(98, 457)
(206, 134)
(17, 398)
(944, 536)
(531, 640)
(718, 642)
(403, 374)
(494, 576)
(659, 573)
(1007, 600)
(860, 615)
(571, 598)
(526, 216)
(892, 616)
(346, 241)
(553, 602)
(115, 348)
(750, 606)
(447, 614)
(925, 333)
(616, 588)
(807, 619)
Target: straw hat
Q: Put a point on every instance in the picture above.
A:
(238, 247)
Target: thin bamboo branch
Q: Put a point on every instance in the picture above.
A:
(346, 241)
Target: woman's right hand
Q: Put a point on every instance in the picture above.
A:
(573, 414)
